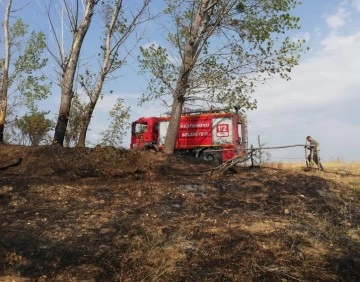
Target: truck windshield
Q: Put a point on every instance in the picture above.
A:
(140, 128)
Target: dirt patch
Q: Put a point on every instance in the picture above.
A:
(105, 214)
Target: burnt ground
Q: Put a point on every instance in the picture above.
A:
(104, 214)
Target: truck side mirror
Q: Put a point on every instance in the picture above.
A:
(132, 128)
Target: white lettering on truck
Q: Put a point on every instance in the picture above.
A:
(195, 125)
(193, 134)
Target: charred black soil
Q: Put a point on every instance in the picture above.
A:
(105, 214)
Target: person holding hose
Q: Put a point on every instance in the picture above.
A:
(314, 155)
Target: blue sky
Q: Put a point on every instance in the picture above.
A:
(321, 100)
(323, 97)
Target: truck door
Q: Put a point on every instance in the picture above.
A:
(163, 127)
(144, 133)
(139, 134)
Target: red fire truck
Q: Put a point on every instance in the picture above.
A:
(216, 136)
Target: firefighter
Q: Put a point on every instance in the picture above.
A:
(314, 148)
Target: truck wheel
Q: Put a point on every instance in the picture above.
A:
(150, 147)
(211, 155)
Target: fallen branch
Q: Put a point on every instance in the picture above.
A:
(230, 163)
(248, 155)
(16, 162)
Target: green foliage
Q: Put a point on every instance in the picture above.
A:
(34, 127)
(238, 45)
(120, 31)
(17, 30)
(119, 125)
(29, 82)
(30, 59)
(25, 83)
(121, 22)
(155, 59)
(25, 79)
(87, 81)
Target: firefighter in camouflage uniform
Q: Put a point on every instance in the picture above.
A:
(314, 155)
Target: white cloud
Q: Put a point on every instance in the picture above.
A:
(150, 44)
(302, 36)
(321, 100)
(356, 4)
(337, 42)
(337, 20)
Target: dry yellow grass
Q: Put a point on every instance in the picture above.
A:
(355, 165)
(330, 166)
(345, 173)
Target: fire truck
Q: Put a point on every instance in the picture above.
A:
(214, 135)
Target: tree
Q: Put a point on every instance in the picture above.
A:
(19, 68)
(113, 136)
(34, 127)
(223, 48)
(74, 123)
(118, 29)
(5, 71)
(68, 63)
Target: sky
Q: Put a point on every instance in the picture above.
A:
(322, 99)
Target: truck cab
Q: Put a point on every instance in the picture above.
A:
(144, 132)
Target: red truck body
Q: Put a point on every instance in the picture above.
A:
(214, 136)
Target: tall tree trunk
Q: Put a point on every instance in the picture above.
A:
(191, 52)
(63, 117)
(94, 96)
(5, 72)
(69, 70)
(85, 122)
(110, 58)
(170, 139)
